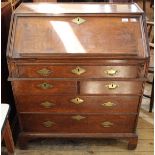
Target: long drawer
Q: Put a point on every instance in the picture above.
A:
(44, 87)
(111, 87)
(78, 71)
(77, 123)
(86, 104)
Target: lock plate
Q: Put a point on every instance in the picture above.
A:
(108, 104)
(107, 124)
(47, 104)
(78, 70)
(112, 86)
(45, 85)
(48, 124)
(78, 20)
(44, 72)
(111, 72)
(78, 117)
(77, 100)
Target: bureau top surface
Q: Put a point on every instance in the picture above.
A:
(77, 8)
(45, 29)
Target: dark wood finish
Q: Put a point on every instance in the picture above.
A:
(151, 3)
(90, 71)
(144, 5)
(7, 136)
(102, 87)
(90, 104)
(132, 143)
(87, 124)
(55, 87)
(76, 66)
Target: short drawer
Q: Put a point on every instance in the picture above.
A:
(42, 87)
(111, 87)
(80, 104)
(77, 123)
(79, 71)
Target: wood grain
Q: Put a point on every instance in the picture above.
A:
(102, 87)
(90, 104)
(89, 124)
(30, 71)
(34, 87)
(48, 39)
(49, 36)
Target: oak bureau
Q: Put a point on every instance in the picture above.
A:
(78, 70)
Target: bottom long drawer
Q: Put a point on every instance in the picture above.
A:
(83, 123)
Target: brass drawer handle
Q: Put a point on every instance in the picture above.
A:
(47, 104)
(111, 72)
(48, 124)
(44, 72)
(45, 85)
(77, 100)
(108, 104)
(78, 117)
(78, 20)
(112, 86)
(107, 124)
(78, 70)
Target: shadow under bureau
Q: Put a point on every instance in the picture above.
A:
(78, 70)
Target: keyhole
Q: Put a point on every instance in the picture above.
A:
(78, 19)
(78, 69)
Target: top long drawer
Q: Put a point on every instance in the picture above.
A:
(72, 71)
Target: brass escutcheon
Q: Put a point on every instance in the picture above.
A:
(47, 104)
(77, 100)
(107, 124)
(112, 86)
(45, 85)
(48, 124)
(78, 70)
(44, 72)
(108, 104)
(111, 72)
(78, 20)
(78, 117)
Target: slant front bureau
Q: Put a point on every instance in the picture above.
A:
(78, 70)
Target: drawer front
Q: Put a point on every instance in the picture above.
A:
(111, 87)
(94, 104)
(77, 123)
(79, 71)
(38, 87)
